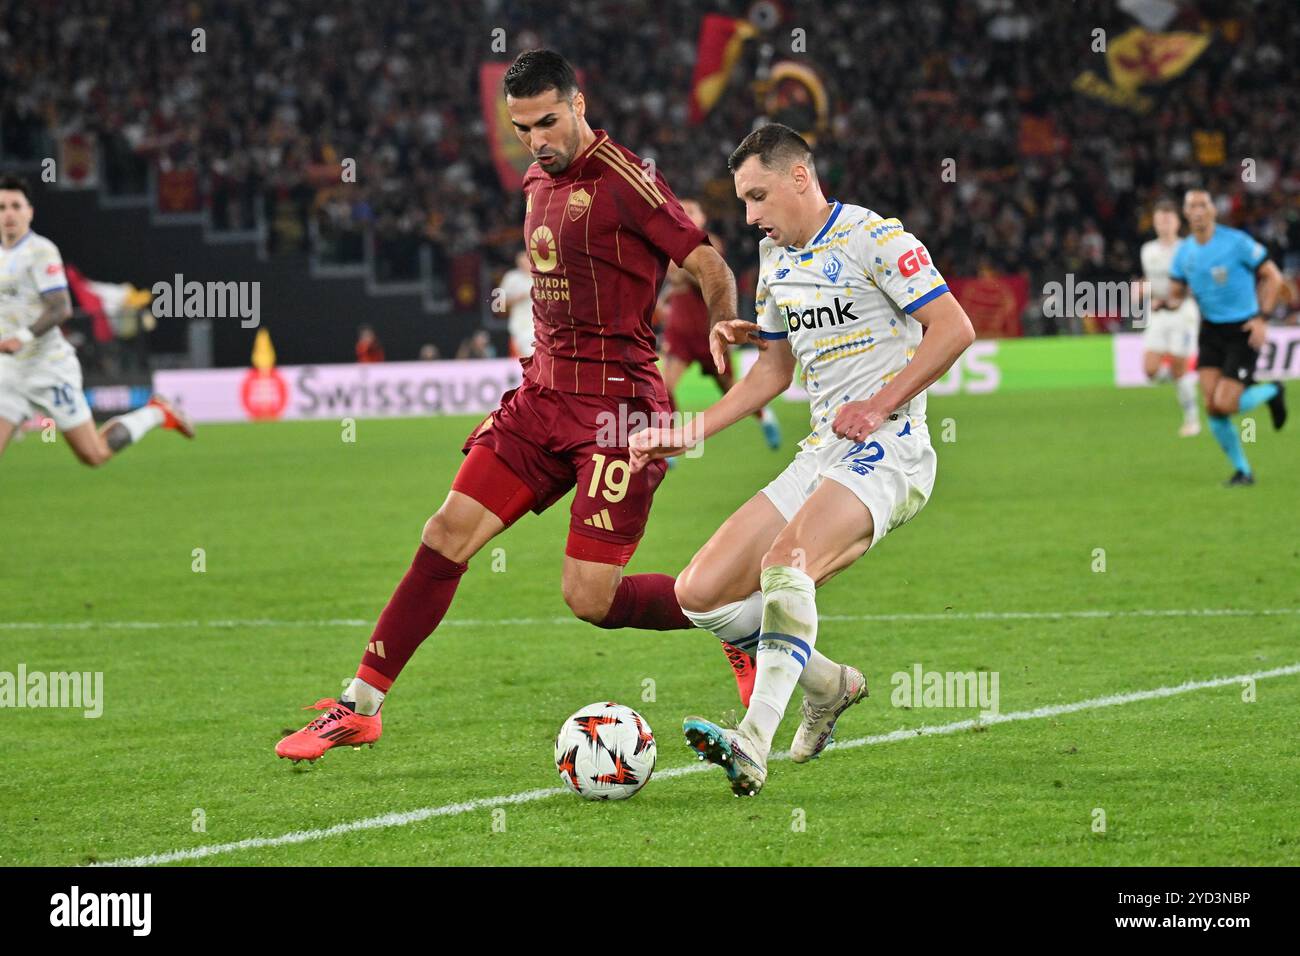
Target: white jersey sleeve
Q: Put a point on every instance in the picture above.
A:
(46, 266)
(771, 324)
(898, 263)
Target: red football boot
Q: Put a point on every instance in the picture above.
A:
(742, 665)
(339, 726)
(173, 417)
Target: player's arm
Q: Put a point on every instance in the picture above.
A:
(1177, 293)
(769, 377)
(948, 333)
(1268, 285)
(683, 277)
(1177, 281)
(56, 309)
(716, 281)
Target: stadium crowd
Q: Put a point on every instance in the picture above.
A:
(285, 90)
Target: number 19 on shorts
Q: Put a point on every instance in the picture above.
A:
(610, 478)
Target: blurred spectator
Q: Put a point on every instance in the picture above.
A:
(477, 346)
(429, 352)
(368, 347)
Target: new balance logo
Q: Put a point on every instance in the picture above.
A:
(819, 317)
(377, 648)
(600, 520)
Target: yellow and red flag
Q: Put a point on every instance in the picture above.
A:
(719, 45)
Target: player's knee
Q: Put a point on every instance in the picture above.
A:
(442, 534)
(1223, 406)
(587, 604)
(695, 592)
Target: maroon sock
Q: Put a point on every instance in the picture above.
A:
(646, 601)
(412, 613)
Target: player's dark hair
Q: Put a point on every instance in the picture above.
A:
(777, 147)
(536, 71)
(18, 185)
(1165, 205)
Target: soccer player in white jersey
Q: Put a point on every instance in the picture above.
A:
(517, 284)
(1170, 335)
(844, 292)
(38, 368)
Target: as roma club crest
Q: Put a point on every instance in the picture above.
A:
(579, 203)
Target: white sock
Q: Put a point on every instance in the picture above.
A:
(739, 624)
(364, 698)
(1186, 389)
(139, 422)
(767, 415)
(789, 635)
(736, 623)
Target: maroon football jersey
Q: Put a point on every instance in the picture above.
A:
(600, 235)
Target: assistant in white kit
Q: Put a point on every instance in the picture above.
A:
(39, 371)
(845, 292)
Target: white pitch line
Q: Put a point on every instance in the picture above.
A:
(529, 796)
(257, 623)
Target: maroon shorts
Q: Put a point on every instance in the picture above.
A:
(554, 440)
(689, 345)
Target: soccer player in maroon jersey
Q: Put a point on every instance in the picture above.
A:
(600, 230)
(686, 333)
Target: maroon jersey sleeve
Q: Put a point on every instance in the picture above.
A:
(650, 209)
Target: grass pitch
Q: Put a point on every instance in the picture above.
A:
(304, 536)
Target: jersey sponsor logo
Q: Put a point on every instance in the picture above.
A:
(579, 203)
(910, 262)
(541, 247)
(821, 316)
(832, 268)
(1219, 274)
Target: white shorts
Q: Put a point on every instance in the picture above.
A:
(52, 388)
(892, 473)
(1171, 331)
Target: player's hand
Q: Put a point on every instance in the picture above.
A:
(857, 420)
(732, 332)
(650, 444)
(10, 345)
(1257, 327)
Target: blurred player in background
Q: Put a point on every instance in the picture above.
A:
(368, 348)
(38, 368)
(1235, 284)
(600, 232)
(866, 467)
(517, 284)
(686, 333)
(1170, 336)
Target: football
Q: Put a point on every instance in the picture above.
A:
(605, 751)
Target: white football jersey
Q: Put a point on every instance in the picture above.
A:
(28, 270)
(845, 302)
(517, 282)
(1156, 260)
